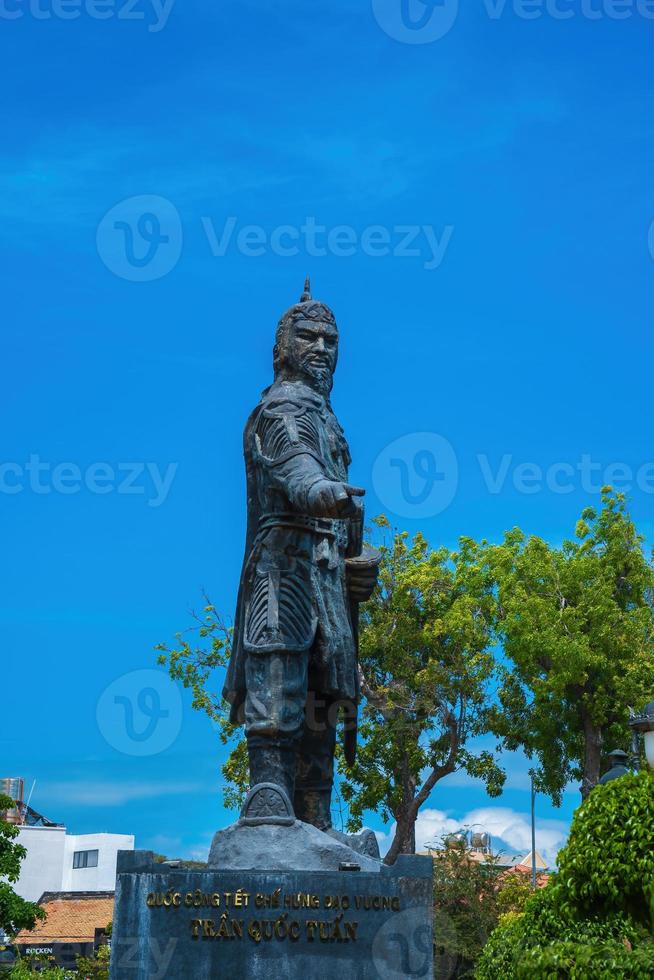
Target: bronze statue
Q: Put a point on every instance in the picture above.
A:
(294, 661)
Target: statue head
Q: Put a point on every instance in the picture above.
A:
(306, 344)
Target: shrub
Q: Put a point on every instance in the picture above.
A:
(593, 921)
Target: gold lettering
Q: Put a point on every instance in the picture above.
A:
(223, 928)
(241, 898)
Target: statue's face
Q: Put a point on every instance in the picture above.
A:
(314, 350)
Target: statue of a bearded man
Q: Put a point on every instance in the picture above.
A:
(293, 667)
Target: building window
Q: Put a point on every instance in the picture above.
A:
(85, 859)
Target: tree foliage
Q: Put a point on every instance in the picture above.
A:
(469, 898)
(94, 967)
(15, 912)
(595, 918)
(202, 649)
(28, 967)
(608, 863)
(426, 668)
(577, 626)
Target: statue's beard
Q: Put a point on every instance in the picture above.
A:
(320, 377)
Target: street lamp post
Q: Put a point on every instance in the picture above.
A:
(533, 834)
(643, 725)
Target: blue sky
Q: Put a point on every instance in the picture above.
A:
(510, 157)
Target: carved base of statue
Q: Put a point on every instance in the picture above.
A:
(277, 898)
(268, 835)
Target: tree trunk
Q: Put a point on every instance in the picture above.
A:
(592, 755)
(404, 841)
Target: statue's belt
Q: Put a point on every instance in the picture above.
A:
(333, 527)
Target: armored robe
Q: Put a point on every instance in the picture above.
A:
(294, 653)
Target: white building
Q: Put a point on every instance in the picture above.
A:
(60, 862)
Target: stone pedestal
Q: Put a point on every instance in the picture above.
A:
(178, 923)
(295, 903)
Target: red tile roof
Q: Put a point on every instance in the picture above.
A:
(542, 877)
(72, 918)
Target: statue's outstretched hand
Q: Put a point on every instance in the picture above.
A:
(329, 498)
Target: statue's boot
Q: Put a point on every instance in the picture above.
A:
(313, 805)
(315, 767)
(272, 764)
(315, 777)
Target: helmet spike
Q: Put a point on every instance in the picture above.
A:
(306, 295)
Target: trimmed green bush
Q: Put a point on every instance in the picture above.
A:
(594, 919)
(608, 863)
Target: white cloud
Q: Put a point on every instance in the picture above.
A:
(113, 794)
(510, 830)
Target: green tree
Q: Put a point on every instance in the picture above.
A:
(15, 912)
(94, 967)
(28, 967)
(426, 670)
(469, 898)
(577, 627)
(595, 918)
